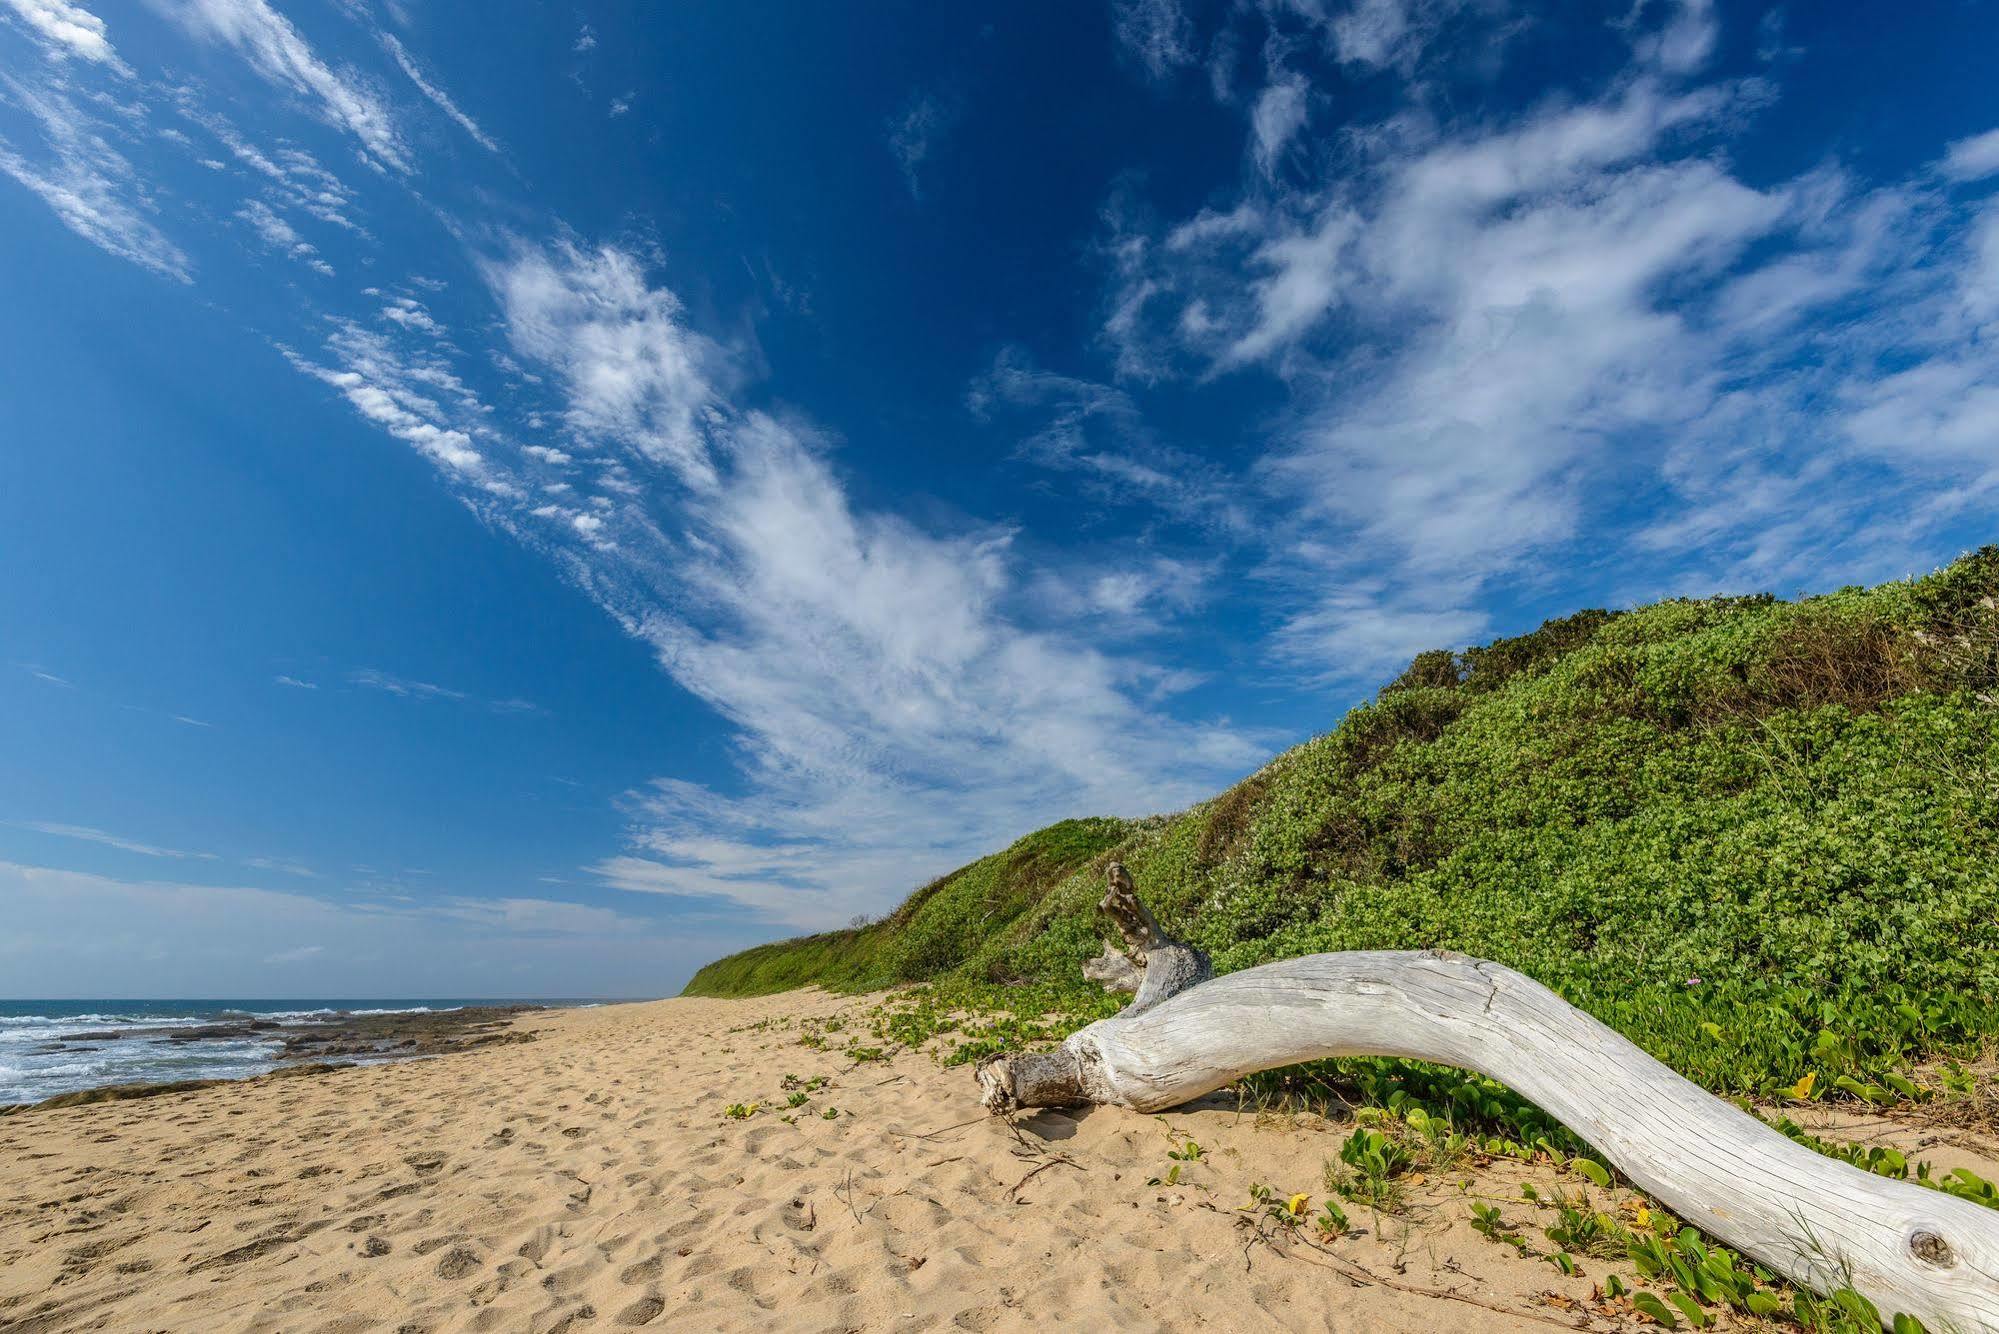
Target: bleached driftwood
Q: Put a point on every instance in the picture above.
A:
(1114, 970)
(1815, 1220)
(1162, 967)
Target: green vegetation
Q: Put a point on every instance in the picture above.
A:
(934, 933)
(1757, 836)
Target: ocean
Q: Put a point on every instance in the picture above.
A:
(30, 1071)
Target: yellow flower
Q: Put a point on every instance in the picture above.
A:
(1297, 1205)
(1644, 1216)
(1803, 1088)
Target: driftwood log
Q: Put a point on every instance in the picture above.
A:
(1817, 1221)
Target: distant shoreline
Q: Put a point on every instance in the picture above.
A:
(96, 1049)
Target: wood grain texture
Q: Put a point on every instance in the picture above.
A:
(1815, 1220)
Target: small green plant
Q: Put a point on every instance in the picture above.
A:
(1191, 1153)
(1649, 1304)
(1268, 1204)
(741, 1111)
(1584, 1230)
(1488, 1222)
(1366, 1169)
(830, 1114)
(797, 1099)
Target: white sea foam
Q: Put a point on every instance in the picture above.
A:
(140, 1054)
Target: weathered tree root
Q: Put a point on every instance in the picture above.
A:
(1817, 1221)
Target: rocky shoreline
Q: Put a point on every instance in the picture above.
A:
(305, 1045)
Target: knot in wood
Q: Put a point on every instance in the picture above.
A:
(1931, 1249)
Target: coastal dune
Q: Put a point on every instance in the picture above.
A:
(591, 1179)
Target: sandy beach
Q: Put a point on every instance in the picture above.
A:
(591, 1179)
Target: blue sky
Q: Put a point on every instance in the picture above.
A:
(524, 507)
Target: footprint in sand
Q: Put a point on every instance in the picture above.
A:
(457, 1263)
(641, 1312)
(645, 1271)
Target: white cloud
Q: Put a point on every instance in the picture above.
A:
(276, 50)
(1373, 32)
(1304, 278)
(275, 232)
(1362, 632)
(412, 314)
(85, 834)
(437, 94)
(405, 687)
(1494, 328)
(173, 939)
(912, 136)
(281, 864)
(67, 29)
(417, 400)
(1685, 41)
(1973, 158)
(298, 180)
(91, 186)
(1156, 33)
(1097, 432)
(1386, 34)
(891, 718)
(373, 679)
(295, 683)
(634, 373)
(1279, 114)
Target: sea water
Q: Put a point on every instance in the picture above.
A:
(141, 1055)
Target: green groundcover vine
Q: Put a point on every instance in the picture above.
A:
(1761, 838)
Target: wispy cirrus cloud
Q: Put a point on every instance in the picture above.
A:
(890, 713)
(1490, 327)
(285, 865)
(86, 834)
(370, 678)
(174, 938)
(1098, 434)
(442, 100)
(634, 373)
(67, 30)
(91, 186)
(1973, 158)
(914, 134)
(279, 235)
(1156, 34)
(275, 49)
